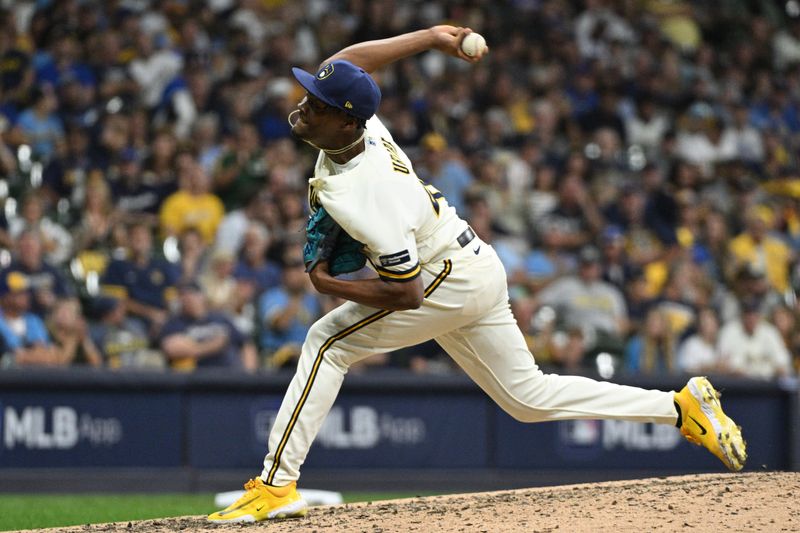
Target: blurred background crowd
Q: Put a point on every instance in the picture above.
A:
(633, 162)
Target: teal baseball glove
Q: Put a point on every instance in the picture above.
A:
(327, 241)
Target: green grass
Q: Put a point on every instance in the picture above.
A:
(32, 511)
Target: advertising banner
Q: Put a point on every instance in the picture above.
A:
(361, 431)
(98, 429)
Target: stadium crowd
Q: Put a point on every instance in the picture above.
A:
(633, 162)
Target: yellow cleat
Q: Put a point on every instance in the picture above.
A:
(704, 423)
(263, 502)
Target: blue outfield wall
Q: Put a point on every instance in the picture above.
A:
(383, 420)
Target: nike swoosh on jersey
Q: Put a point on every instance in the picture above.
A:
(476, 250)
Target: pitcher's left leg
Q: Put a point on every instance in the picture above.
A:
(493, 352)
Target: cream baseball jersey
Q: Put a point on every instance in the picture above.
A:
(378, 200)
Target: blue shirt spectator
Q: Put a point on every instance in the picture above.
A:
(444, 172)
(147, 282)
(199, 338)
(23, 337)
(287, 311)
(253, 268)
(40, 125)
(277, 301)
(46, 283)
(122, 341)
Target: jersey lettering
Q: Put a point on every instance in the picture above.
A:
(313, 198)
(397, 164)
(434, 196)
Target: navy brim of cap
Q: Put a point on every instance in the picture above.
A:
(309, 83)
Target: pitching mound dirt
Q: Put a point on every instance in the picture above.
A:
(766, 501)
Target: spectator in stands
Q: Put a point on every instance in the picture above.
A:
(242, 169)
(680, 297)
(70, 334)
(444, 171)
(219, 284)
(260, 208)
(23, 336)
(122, 341)
(758, 247)
(160, 167)
(66, 174)
(195, 255)
(98, 217)
(785, 320)
(198, 337)
(193, 205)
(542, 198)
(751, 282)
(570, 224)
(205, 136)
(743, 136)
(40, 126)
(153, 67)
(647, 124)
(590, 304)
(254, 271)
(8, 162)
(45, 283)
(750, 346)
(652, 350)
(16, 74)
(146, 282)
(698, 353)
(597, 27)
(569, 350)
(661, 205)
(617, 270)
(56, 240)
(786, 44)
(137, 200)
(644, 245)
(287, 311)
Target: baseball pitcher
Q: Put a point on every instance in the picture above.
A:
(435, 280)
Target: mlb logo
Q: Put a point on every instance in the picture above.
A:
(580, 433)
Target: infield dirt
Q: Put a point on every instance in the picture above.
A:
(764, 501)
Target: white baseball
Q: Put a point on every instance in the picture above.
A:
(473, 44)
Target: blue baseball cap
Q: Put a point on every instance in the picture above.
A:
(343, 85)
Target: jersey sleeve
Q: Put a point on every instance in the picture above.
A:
(386, 227)
(388, 233)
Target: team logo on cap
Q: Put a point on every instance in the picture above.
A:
(325, 71)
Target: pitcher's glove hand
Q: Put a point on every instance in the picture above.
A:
(327, 241)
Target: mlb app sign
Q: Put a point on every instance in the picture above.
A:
(89, 429)
(56, 428)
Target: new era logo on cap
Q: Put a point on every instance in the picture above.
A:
(343, 85)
